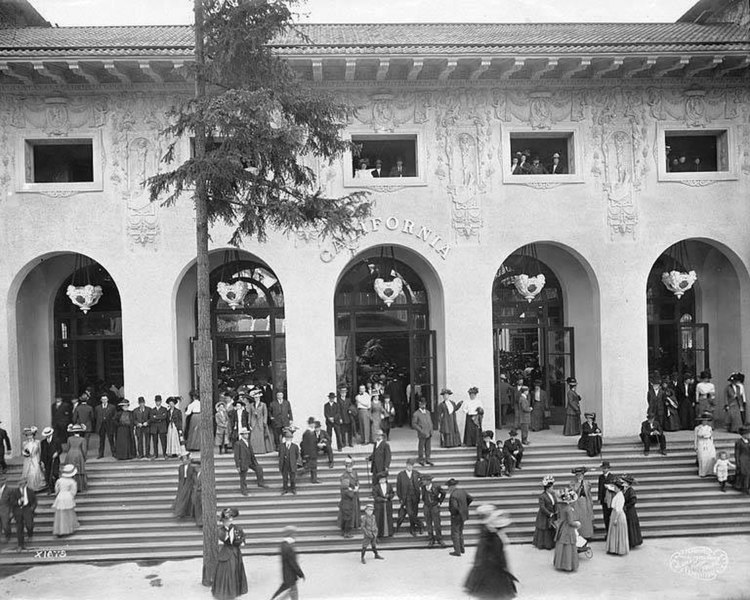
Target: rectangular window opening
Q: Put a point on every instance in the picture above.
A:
(385, 156)
(696, 151)
(60, 161)
(541, 153)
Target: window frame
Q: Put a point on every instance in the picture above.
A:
(24, 149)
(419, 150)
(572, 132)
(678, 128)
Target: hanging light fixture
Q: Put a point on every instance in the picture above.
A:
(387, 290)
(87, 295)
(527, 285)
(680, 278)
(232, 291)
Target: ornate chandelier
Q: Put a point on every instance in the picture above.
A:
(680, 278)
(232, 291)
(87, 295)
(389, 290)
(527, 285)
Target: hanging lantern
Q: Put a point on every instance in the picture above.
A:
(233, 293)
(679, 282)
(679, 279)
(87, 295)
(84, 296)
(388, 291)
(529, 287)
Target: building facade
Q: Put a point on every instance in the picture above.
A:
(651, 125)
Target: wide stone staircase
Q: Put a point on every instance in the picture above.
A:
(125, 514)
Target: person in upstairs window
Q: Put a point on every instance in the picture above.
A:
(378, 170)
(557, 168)
(399, 169)
(363, 172)
(537, 168)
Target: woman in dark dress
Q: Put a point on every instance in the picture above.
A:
(566, 551)
(671, 411)
(591, 436)
(634, 525)
(490, 577)
(382, 493)
(183, 503)
(544, 527)
(572, 409)
(195, 496)
(125, 433)
(474, 412)
(229, 578)
(449, 434)
(489, 458)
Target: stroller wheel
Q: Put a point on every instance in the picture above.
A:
(589, 553)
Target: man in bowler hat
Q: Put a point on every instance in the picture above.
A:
(288, 458)
(458, 505)
(332, 414)
(157, 427)
(105, 416)
(432, 497)
(244, 460)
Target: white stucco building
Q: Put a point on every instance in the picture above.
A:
(81, 110)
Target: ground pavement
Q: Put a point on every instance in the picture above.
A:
(666, 569)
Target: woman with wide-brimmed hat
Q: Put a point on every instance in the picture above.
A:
(447, 408)
(705, 394)
(76, 454)
(591, 436)
(182, 507)
(32, 467)
(734, 401)
(584, 505)
(66, 488)
(572, 408)
(566, 553)
(474, 411)
(230, 580)
(617, 535)
(490, 576)
(631, 514)
(174, 427)
(489, 457)
(125, 432)
(703, 443)
(544, 527)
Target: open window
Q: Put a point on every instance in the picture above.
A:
(541, 158)
(392, 156)
(694, 155)
(59, 165)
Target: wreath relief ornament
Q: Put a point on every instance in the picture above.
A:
(679, 282)
(233, 293)
(529, 287)
(84, 296)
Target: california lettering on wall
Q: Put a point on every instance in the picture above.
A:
(391, 223)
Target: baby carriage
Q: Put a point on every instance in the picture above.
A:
(582, 546)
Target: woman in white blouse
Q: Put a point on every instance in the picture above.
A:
(193, 417)
(474, 410)
(705, 394)
(363, 172)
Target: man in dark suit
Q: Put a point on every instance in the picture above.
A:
(141, 418)
(23, 505)
(288, 459)
(458, 505)
(238, 419)
(432, 497)
(685, 392)
(655, 397)
(378, 170)
(49, 455)
(505, 396)
(380, 459)
(603, 494)
(62, 416)
(421, 422)
(5, 508)
(4, 447)
(290, 569)
(517, 403)
(512, 452)
(280, 416)
(399, 170)
(323, 443)
(104, 424)
(408, 491)
(332, 415)
(652, 433)
(309, 450)
(83, 414)
(348, 421)
(244, 460)
(557, 168)
(157, 427)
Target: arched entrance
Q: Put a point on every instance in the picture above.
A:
(548, 337)
(386, 337)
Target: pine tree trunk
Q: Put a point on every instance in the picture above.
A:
(205, 343)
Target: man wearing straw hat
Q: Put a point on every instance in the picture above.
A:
(244, 460)
(290, 569)
(49, 454)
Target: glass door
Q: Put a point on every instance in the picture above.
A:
(693, 345)
(559, 364)
(423, 373)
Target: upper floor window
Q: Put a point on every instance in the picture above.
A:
(59, 161)
(548, 153)
(696, 151)
(385, 156)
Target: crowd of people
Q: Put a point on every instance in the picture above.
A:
(378, 168)
(524, 163)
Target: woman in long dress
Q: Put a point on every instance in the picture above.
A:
(544, 526)
(125, 433)
(349, 513)
(183, 503)
(474, 410)
(382, 494)
(635, 538)
(591, 436)
(539, 407)
(260, 436)
(617, 535)
(490, 576)
(671, 411)
(705, 394)
(572, 409)
(704, 445)
(32, 467)
(376, 414)
(196, 498)
(193, 423)
(77, 449)
(230, 580)
(489, 459)
(733, 404)
(566, 552)
(584, 505)
(449, 434)
(174, 427)
(66, 521)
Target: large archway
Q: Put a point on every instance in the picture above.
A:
(700, 330)
(390, 331)
(552, 336)
(61, 349)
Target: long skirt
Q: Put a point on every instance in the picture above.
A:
(173, 440)
(672, 421)
(544, 539)
(538, 422)
(706, 454)
(635, 538)
(572, 425)
(124, 443)
(183, 502)
(193, 441)
(449, 435)
(566, 556)
(230, 580)
(75, 457)
(384, 518)
(471, 433)
(592, 444)
(734, 419)
(617, 535)
(33, 474)
(260, 439)
(585, 514)
(685, 412)
(66, 521)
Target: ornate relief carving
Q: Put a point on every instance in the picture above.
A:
(696, 107)
(57, 116)
(387, 111)
(58, 193)
(540, 185)
(542, 109)
(697, 182)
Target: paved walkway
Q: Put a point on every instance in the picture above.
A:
(419, 574)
